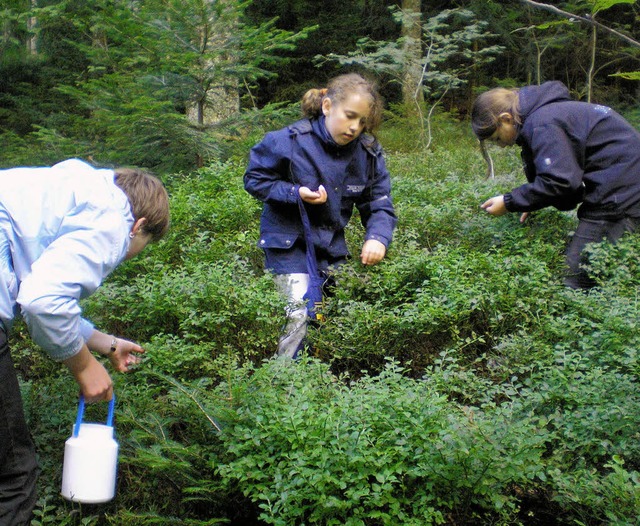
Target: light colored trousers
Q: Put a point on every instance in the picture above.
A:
(294, 287)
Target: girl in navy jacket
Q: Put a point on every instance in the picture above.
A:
(327, 162)
(573, 153)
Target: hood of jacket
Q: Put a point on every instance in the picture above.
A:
(530, 98)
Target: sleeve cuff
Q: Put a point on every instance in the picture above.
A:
(294, 193)
(86, 329)
(508, 201)
(382, 240)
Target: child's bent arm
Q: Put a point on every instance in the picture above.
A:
(93, 379)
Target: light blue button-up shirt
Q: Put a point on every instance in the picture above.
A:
(63, 229)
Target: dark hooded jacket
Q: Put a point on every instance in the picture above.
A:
(575, 152)
(304, 154)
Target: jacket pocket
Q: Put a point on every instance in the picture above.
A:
(281, 240)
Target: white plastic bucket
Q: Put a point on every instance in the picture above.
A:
(90, 461)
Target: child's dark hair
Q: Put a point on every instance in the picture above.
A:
(338, 89)
(148, 198)
(488, 107)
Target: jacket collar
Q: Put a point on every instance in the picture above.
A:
(319, 127)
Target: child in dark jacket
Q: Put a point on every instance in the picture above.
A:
(327, 164)
(573, 153)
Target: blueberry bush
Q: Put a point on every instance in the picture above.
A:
(458, 382)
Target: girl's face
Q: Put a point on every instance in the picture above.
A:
(506, 132)
(346, 120)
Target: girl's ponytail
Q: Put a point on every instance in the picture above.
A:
(485, 117)
(312, 102)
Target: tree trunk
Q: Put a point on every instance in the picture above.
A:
(32, 39)
(412, 93)
(592, 65)
(219, 93)
(218, 104)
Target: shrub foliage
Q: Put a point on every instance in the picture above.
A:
(457, 382)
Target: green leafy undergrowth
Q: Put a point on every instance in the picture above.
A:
(458, 382)
(311, 448)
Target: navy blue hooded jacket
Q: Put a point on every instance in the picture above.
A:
(304, 154)
(575, 152)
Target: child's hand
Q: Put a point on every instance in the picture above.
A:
(314, 198)
(121, 353)
(125, 355)
(372, 252)
(495, 206)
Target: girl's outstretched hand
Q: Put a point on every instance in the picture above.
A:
(372, 252)
(314, 198)
(495, 206)
(121, 353)
(125, 355)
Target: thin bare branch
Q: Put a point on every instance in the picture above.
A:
(586, 19)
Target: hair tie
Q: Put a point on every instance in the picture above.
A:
(323, 92)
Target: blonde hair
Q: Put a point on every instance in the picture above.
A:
(148, 198)
(337, 90)
(488, 107)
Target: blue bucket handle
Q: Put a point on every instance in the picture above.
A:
(76, 428)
